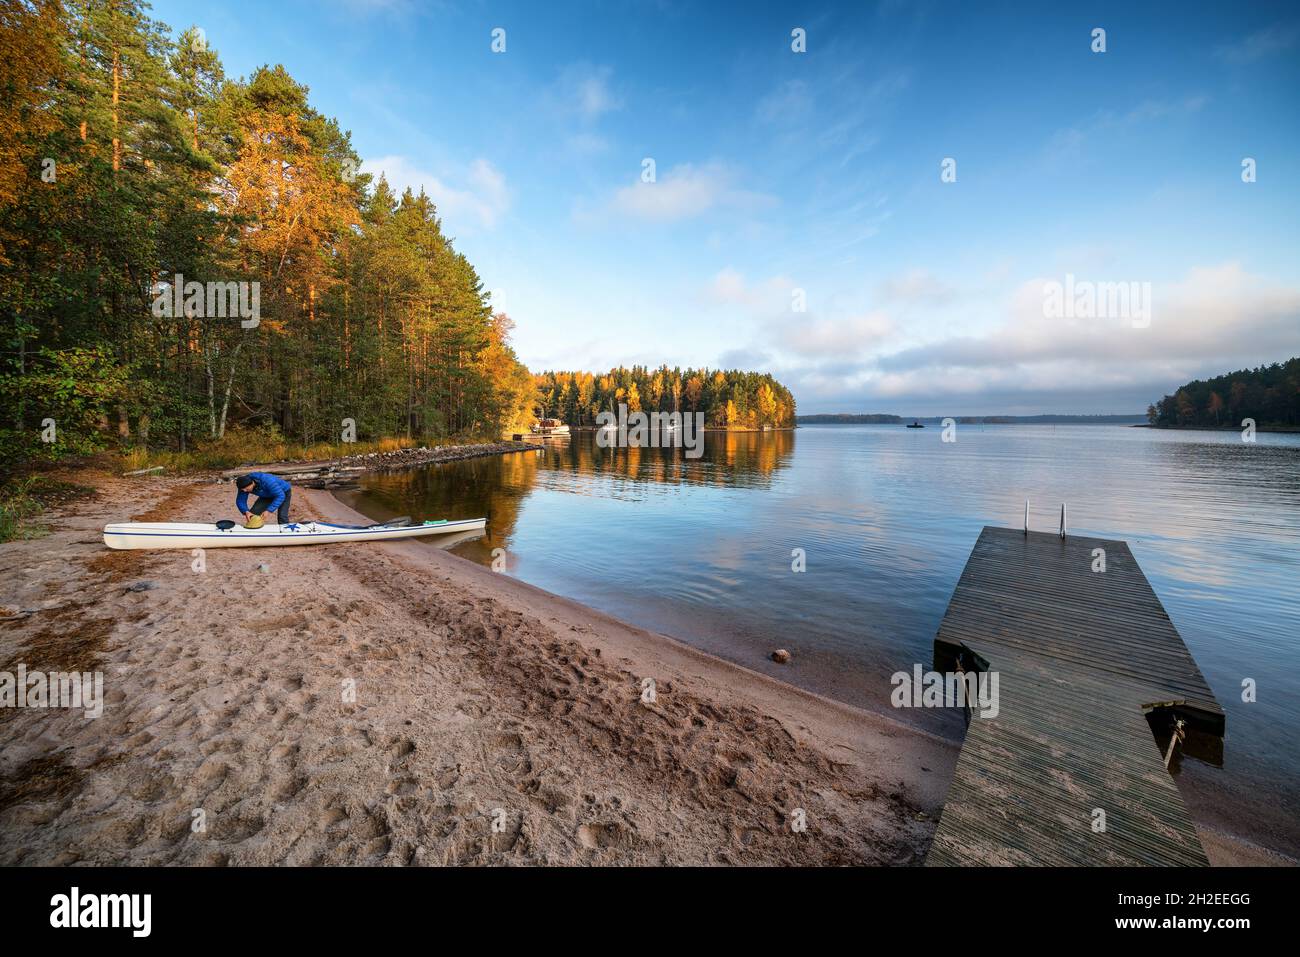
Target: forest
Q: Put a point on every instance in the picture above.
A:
(1269, 394)
(130, 163)
(729, 399)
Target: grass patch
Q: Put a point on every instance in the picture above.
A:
(22, 499)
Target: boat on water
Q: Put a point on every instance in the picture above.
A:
(915, 425)
(227, 534)
(550, 427)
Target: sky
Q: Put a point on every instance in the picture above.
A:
(877, 220)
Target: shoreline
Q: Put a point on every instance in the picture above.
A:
(391, 461)
(1220, 838)
(1274, 429)
(480, 700)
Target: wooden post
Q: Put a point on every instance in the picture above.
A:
(1062, 520)
(1178, 735)
(1026, 518)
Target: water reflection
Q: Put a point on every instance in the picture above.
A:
(701, 549)
(498, 486)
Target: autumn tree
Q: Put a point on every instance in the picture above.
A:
(160, 166)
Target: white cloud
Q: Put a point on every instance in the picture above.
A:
(1070, 143)
(476, 195)
(1218, 312)
(588, 143)
(916, 286)
(1213, 320)
(1270, 41)
(684, 192)
(729, 287)
(584, 90)
(839, 338)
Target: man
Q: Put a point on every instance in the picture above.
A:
(272, 493)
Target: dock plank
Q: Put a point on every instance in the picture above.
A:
(1081, 656)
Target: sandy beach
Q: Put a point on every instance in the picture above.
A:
(395, 704)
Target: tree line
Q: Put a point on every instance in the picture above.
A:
(1269, 394)
(729, 399)
(849, 418)
(131, 165)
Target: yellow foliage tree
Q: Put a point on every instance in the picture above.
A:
(766, 404)
(29, 64)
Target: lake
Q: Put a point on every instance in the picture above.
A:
(702, 549)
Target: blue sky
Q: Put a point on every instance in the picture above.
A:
(783, 177)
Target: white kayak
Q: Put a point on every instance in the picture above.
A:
(199, 535)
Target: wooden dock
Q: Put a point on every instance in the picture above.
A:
(1082, 658)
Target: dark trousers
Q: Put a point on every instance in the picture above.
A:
(281, 515)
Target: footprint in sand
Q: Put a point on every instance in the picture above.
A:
(284, 752)
(331, 817)
(471, 708)
(210, 775)
(233, 828)
(402, 787)
(274, 624)
(287, 788)
(596, 837)
(398, 752)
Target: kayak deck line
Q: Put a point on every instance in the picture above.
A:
(288, 529)
(135, 535)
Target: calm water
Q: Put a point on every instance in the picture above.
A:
(701, 550)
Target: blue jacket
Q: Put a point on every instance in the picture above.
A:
(264, 486)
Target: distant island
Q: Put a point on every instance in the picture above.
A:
(1269, 394)
(851, 418)
(846, 418)
(729, 399)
